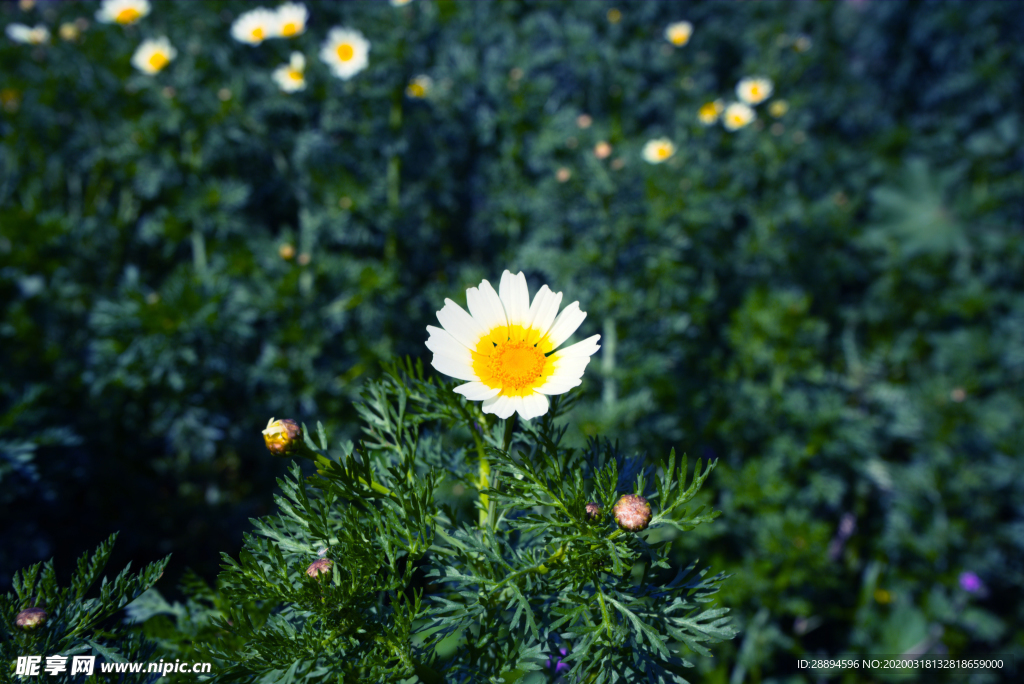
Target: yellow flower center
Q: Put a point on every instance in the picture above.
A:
(416, 90)
(663, 152)
(158, 61)
(679, 36)
(755, 91)
(295, 74)
(345, 52)
(128, 15)
(517, 366)
(257, 33)
(289, 29)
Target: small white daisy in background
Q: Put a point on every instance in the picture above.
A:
(69, 31)
(122, 12)
(754, 90)
(679, 33)
(153, 55)
(20, 33)
(658, 150)
(505, 347)
(346, 52)
(399, 3)
(291, 19)
(737, 115)
(419, 86)
(255, 26)
(778, 108)
(291, 77)
(710, 111)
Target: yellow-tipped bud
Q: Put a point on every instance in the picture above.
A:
(282, 436)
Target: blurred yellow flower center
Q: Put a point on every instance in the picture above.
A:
(755, 91)
(345, 52)
(295, 74)
(257, 33)
(128, 15)
(663, 152)
(416, 90)
(158, 60)
(289, 29)
(679, 36)
(516, 366)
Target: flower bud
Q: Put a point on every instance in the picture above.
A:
(593, 512)
(282, 436)
(31, 618)
(632, 513)
(319, 567)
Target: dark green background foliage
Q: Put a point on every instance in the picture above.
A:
(830, 303)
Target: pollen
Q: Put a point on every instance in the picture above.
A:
(128, 15)
(514, 365)
(345, 52)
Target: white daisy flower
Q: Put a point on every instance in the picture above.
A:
(679, 33)
(710, 111)
(291, 19)
(737, 115)
(754, 90)
(122, 12)
(153, 55)
(20, 33)
(419, 86)
(255, 26)
(292, 76)
(505, 347)
(657, 150)
(346, 52)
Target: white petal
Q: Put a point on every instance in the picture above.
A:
(544, 309)
(558, 386)
(534, 406)
(454, 368)
(500, 406)
(565, 325)
(515, 295)
(460, 324)
(441, 342)
(477, 391)
(572, 367)
(585, 348)
(486, 307)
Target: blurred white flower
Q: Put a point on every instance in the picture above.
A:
(754, 90)
(346, 52)
(291, 19)
(737, 115)
(658, 150)
(399, 3)
(32, 36)
(292, 76)
(679, 33)
(419, 86)
(505, 347)
(122, 12)
(710, 111)
(153, 55)
(255, 26)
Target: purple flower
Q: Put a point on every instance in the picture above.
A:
(559, 665)
(971, 583)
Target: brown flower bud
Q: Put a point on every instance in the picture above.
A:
(31, 618)
(593, 512)
(632, 513)
(319, 567)
(282, 436)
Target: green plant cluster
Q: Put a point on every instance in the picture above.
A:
(827, 301)
(404, 587)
